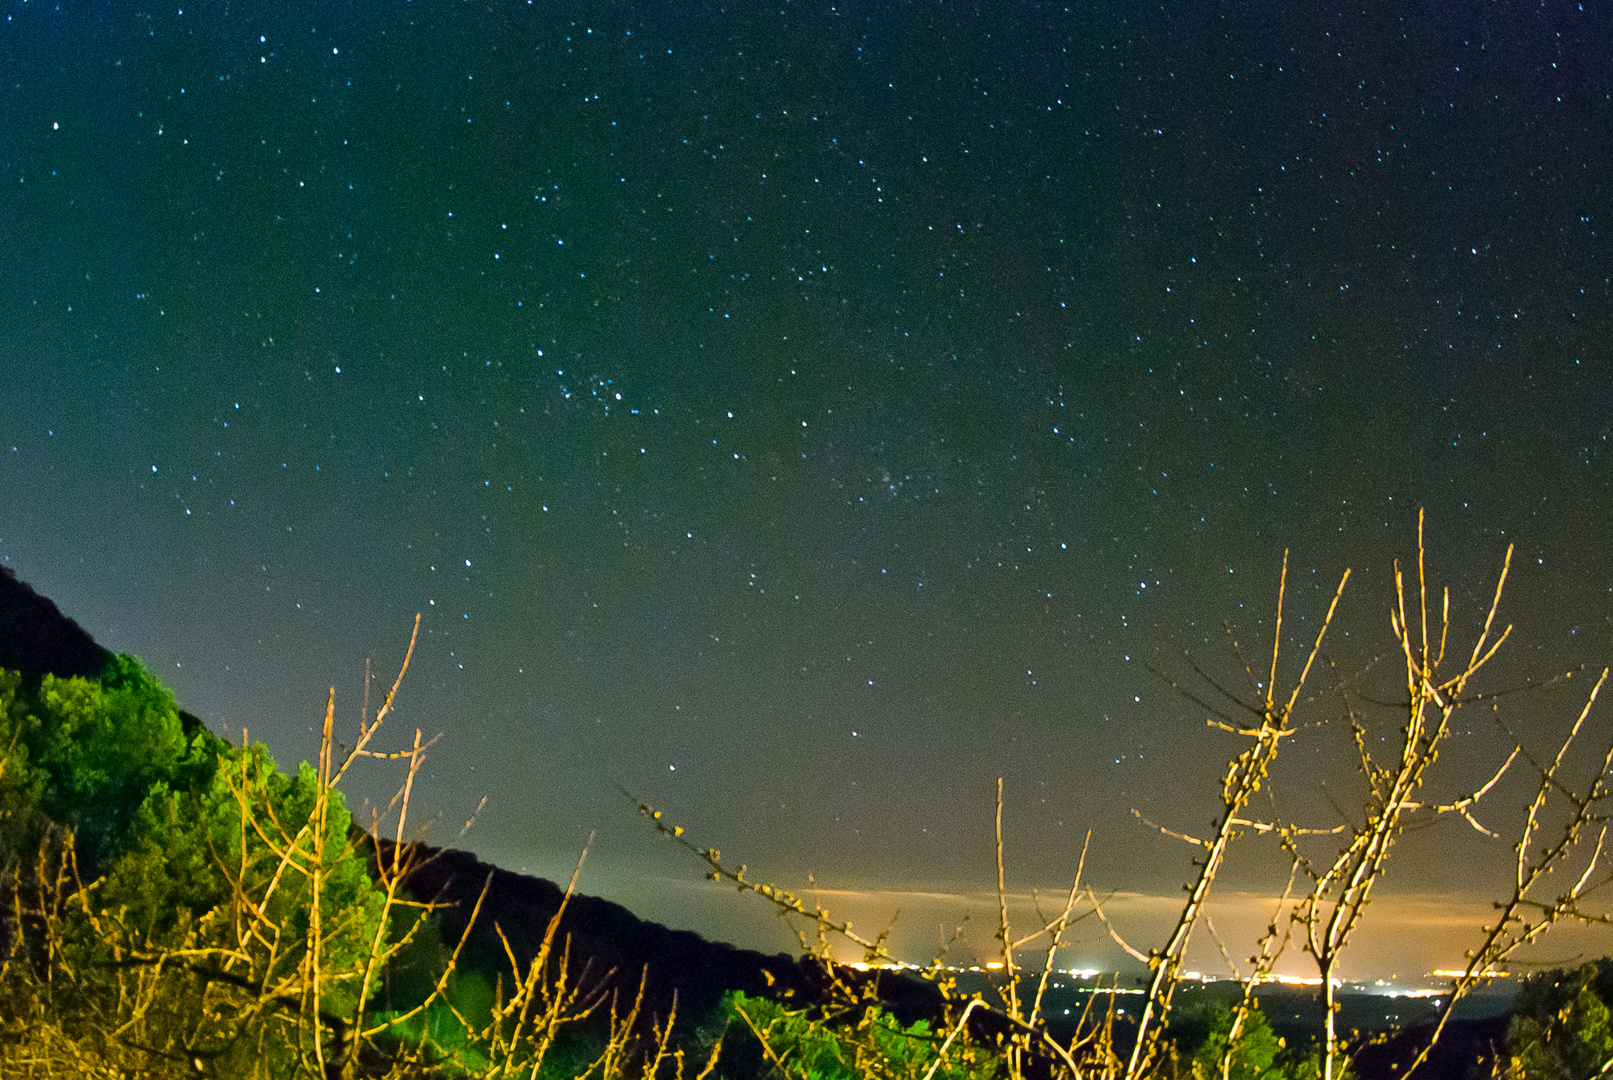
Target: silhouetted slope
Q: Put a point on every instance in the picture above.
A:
(611, 941)
(605, 938)
(37, 639)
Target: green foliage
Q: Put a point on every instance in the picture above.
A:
(349, 903)
(95, 750)
(1200, 1030)
(421, 957)
(165, 867)
(870, 1045)
(1254, 1056)
(201, 862)
(1561, 1028)
(187, 851)
(161, 809)
(472, 996)
(20, 781)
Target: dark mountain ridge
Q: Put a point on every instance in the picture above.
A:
(37, 639)
(611, 947)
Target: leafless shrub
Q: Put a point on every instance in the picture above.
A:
(1324, 913)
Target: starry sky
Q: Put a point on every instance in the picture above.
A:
(801, 414)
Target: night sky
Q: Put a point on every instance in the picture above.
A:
(800, 415)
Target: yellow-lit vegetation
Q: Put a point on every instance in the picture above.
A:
(1327, 891)
(175, 905)
(243, 928)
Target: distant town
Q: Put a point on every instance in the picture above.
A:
(1434, 984)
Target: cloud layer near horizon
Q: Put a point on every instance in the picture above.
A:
(1404, 935)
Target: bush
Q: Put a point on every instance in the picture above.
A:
(177, 905)
(865, 1044)
(1561, 1028)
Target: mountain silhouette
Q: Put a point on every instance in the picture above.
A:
(610, 946)
(37, 639)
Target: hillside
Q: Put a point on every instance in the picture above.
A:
(37, 639)
(113, 796)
